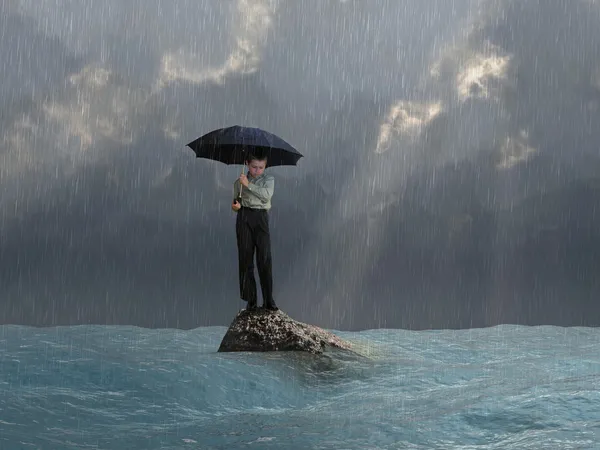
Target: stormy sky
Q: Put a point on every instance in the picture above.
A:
(451, 176)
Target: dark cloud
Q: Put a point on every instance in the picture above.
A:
(450, 177)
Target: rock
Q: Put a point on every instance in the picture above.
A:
(266, 331)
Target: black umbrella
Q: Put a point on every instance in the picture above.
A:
(232, 145)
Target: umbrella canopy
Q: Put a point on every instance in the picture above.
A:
(232, 145)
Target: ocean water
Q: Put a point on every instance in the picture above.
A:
(107, 387)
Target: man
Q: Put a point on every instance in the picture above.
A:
(252, 231)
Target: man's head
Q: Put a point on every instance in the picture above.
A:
(256, 165)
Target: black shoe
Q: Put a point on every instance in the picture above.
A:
(251, 308)
(272, 308)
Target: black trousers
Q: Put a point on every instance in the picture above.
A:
(252, 232)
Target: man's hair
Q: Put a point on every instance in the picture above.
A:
(251, 157)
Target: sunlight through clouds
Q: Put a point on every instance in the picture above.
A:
(479, 74)
(101, 109)
(405, 120)
(515, 150)
(254, 19)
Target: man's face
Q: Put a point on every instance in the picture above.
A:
(256, 167)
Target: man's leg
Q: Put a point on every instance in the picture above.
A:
(245, 244)
(263, 260)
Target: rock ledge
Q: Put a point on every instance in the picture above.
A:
(267, 331)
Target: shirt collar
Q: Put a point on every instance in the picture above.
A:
(253, 180)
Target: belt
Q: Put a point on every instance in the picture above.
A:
(254, 209)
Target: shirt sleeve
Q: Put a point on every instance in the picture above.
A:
(263, 192)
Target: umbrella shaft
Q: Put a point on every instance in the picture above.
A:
(241, 183)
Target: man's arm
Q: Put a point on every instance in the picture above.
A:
(265, 192)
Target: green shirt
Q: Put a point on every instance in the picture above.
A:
(258, 193)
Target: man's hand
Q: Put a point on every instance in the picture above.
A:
(244, 180)
(236, 206)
